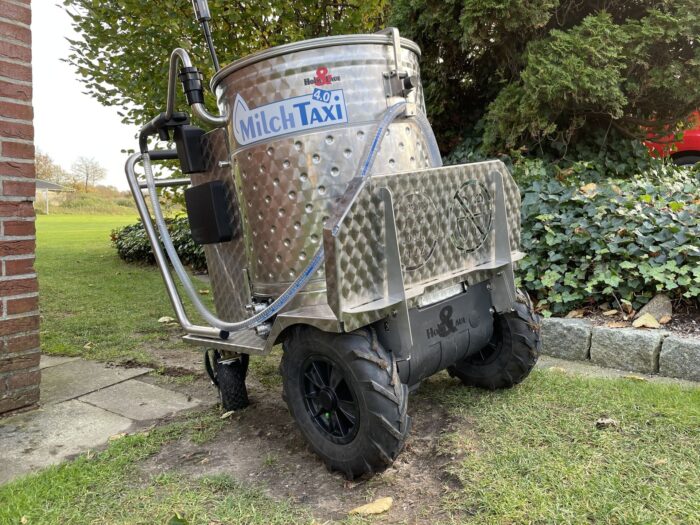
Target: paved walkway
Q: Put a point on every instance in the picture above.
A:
(83, 403)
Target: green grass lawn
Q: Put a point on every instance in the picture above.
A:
(534, 454)
(109, 488)
(92, 303)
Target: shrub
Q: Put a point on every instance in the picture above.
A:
(132, 243)
(622, 240)
(543, 73)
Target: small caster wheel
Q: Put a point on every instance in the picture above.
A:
(345, 395)
(228, 376)
(510, 355)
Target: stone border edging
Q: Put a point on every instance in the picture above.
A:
(636, 350)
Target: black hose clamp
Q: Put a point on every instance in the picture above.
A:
(191, 80)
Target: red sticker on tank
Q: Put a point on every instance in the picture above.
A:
(323, 78)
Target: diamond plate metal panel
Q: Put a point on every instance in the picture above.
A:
(226, 261)
(445, 220)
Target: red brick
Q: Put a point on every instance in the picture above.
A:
(19, 400)
(18, 150)
(15, 12)
(18, 169)
(18, 189)
(19, 228)
(15, 51)
(19, 266)
(15, 71)
(17, 111)
(15, 130)
(19, 324)
(18, 286)
(20, 362)
(16, 248)
(16, 32)
(15, 209)
(20, 379)
(23, 343)
(16, 91)
(22, 306)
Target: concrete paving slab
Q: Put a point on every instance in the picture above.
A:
(44, 437)
(54, 360)
(140, 401)
(77, 378)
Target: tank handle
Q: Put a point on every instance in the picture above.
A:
(393, 32)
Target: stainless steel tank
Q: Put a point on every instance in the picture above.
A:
(301, 117)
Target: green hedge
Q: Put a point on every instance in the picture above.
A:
(626, 239)
(132, 243)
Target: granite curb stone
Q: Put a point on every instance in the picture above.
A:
(627, 348)
(566, 338)
(680, 358)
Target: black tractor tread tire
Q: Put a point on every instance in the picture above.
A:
(230, 378)
(384, 422)
(519, 353)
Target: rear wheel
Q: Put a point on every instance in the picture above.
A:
(344, 392)
(686, 159)
(510, 355)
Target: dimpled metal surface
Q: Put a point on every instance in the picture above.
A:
(226, 261)
(446, 236)
(287, 186)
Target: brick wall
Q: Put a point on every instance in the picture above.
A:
(19, 316)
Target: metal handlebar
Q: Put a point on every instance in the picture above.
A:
(180, 55)
(192, 329)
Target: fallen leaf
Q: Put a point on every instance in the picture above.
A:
(665, 319)
(204, 292)
(607, 422)
(166, 319)
(376, 507)
(610, 313)
(575, 314)
(627, 306)
(88, 345)
(617, 324)
(557, 369)
(227, 414)
(589, 189)
(117, 436)
(646, 321)
(659, 462)
(177, 519)
(24, 520)
(633, 377)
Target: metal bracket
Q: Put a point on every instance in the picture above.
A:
(397, 83)
(395, 285)
(503, 282)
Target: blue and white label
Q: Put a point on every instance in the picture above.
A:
(316, 110)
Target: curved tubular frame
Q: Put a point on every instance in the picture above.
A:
(192, 329)
(180, 55)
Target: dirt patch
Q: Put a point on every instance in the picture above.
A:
(261, 445)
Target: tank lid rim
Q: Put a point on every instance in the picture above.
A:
(305, 45)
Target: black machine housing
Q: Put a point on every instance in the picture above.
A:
(444, 333)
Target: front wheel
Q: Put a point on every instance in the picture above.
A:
(344, 392)
(510, 355)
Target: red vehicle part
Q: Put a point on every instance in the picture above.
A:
(685, 151)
